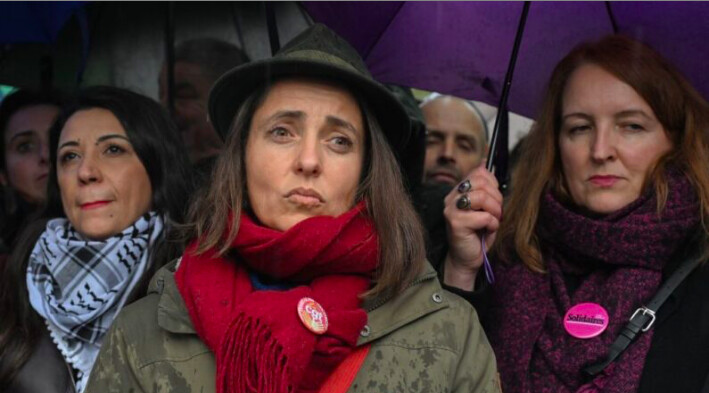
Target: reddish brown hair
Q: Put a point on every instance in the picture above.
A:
(680, 109)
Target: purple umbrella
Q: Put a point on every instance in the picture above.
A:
(464, 48)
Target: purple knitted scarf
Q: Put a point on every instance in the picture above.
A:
(618, 259)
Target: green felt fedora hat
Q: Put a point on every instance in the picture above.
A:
(320, 53)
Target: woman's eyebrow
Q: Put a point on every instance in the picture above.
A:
(103, 138)
(68, 143)
(576, 114)
(631, 112)
(282, 114)
(100, 139)
(21, 134)
(338, 122)
(286, 114)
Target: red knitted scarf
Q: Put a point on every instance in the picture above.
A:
(257, 337)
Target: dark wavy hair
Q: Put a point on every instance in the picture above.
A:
(158, 145)
(154, 137)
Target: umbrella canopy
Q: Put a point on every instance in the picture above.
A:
(34, 21)
(463, 48)
(29, 33)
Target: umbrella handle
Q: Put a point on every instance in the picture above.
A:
(489, 275)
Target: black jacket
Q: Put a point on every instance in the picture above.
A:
(678, 360)
(45, 371)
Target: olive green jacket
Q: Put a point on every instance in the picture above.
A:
(424, 340)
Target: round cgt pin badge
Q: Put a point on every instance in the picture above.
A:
(586, 320)
(312, 315)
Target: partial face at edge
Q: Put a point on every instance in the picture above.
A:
(304, 153)
(27, 151)
(192, 86)
(609, 140)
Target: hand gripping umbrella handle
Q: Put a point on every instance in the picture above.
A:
(489, 275)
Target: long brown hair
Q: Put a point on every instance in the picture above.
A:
(680, 109)
(401, 246)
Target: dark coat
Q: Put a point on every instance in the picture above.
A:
(678, 360)
(45, 371)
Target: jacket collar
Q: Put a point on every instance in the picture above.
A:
(172, 312)
(384, 315)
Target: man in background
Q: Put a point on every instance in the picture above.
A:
(456, 140)
(198, 64)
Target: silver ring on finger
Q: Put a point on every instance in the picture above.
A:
(463, 203)
(464, 187)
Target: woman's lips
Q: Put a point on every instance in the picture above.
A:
(305, 197)
(304, 200)
(604, 180)
(94, 205)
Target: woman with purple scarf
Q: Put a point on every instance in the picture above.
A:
(611, 204)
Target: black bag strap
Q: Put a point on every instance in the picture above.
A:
(644, 317)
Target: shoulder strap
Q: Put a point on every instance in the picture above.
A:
(340, 380)
(644, 317)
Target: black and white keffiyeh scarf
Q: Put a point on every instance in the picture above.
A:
(78, 285)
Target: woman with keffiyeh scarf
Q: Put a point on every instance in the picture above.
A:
(119, 181)
(307, 272)
(613, 196)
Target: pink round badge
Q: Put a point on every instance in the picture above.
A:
(586, 320)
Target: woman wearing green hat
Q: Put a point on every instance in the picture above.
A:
(307, 272)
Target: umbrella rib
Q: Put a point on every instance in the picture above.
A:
(237, 26)
(273, 38)
(93, 22)
(502, 106)
(304, 13)
(381, 34)
(614, 24)
(82, 20)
